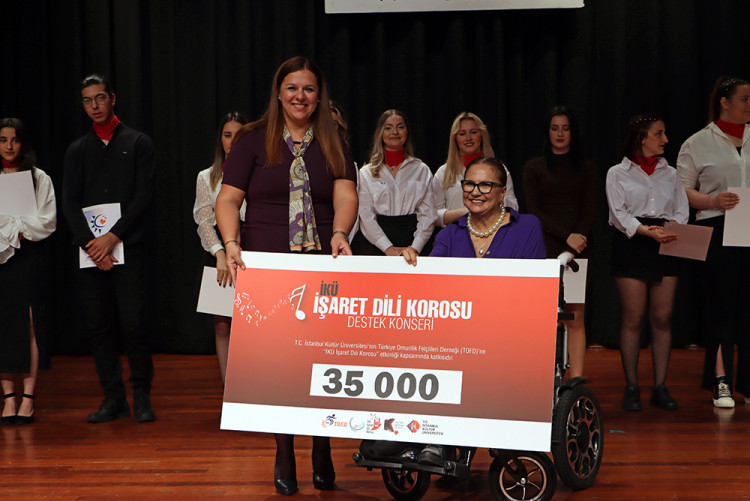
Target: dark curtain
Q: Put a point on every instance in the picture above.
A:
(177, 65)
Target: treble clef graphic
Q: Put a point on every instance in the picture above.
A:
(299, 291)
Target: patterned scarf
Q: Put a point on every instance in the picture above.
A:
(303, 233)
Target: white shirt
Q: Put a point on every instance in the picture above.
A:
(632, 193)
(453, 197)
(408, 193)
(709, 162)
(33, 228)
(204, 212)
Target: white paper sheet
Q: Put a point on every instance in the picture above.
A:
(17, 196)
(737, 220)
(214, 298)
(575, 283)
(692, 241)
(101, 219)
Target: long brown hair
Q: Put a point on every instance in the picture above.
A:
(26, 157)
(219, 155)
(272, 120)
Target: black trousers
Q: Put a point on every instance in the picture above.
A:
(726, 308)
(109, 296)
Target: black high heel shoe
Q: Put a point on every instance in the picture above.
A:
(26, 419)
(284, 486)
(324, 476)
(9, 419)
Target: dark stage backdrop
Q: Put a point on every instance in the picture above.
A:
(177, 65)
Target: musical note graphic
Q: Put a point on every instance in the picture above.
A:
(247, 309)
(299, 291)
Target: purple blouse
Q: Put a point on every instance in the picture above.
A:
(521, 238)
(266, 226)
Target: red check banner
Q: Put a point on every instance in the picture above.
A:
(456, 351)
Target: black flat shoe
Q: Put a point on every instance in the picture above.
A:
(9, 419)
(631, 400)
(110, 410)
(324, 482)
(142, 409)
(26, 419)
(661, 398)
(433, 455)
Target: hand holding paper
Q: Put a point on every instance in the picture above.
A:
(692, 242)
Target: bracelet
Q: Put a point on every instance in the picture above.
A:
(346, 235)
(229, 241)
(708, 201)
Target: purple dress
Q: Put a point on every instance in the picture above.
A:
(266, 226)
(521, 238)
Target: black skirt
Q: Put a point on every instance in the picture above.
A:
(18, 277)
(639, 257)
(399, 230)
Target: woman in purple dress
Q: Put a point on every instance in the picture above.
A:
(489, 229)
(299, 183)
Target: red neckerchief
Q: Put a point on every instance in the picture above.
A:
(9, 165)
(647, 164)
(394, 158)
(469, 158)
(736, 130)
(105, 131)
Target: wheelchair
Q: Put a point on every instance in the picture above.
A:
(576, 443)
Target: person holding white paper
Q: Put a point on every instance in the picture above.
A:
(643, 193)
(396, 204)
(113, 164)
(469, 139)
(207, 189)
(561, 190)
(299, 182)
(20, 348)
(710, 162)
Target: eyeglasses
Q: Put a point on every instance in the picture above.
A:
(100, 99)
(484, 187)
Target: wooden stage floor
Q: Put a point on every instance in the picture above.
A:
(697, 452)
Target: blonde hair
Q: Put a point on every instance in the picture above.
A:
(455, 163)
(377, 155)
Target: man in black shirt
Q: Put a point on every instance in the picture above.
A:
(113, 165)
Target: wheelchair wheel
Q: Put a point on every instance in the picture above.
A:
(406, 485)
(522, 476)
(577, 437)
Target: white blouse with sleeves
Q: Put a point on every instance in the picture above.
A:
(453, 197)
(408, 193)
(33, 228)
(632, 193)
(204, 212)
(709, 162)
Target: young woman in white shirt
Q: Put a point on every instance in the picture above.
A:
(207, 188)
(710, 162)
(643, 193)
(469, 139)
(19, 351)
(396, 206)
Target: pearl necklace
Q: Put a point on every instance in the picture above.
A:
(485, 234)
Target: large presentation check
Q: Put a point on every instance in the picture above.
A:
(453, 351)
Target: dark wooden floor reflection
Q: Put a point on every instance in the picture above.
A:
(697, 452)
